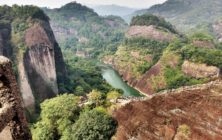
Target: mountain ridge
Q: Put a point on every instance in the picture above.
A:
(187, 15)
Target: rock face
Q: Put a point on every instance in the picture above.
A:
(149, 32)
(188, 113)
(36, 56)
(200, 70)
(39, 60)
(11, 110)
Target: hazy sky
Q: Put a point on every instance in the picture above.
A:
(58, 3)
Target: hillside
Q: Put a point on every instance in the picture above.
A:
(82, 31)
(116, 10)
(27, 39)
(154, 56)
(188, 15)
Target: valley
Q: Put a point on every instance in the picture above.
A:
(85, 74)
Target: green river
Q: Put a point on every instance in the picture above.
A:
(115, 80)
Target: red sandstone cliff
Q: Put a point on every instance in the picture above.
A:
(188, 113)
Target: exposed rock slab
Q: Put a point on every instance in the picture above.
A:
(200, 70)
(188, 113)
(149, 32)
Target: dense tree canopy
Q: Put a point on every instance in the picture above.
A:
(94, 125)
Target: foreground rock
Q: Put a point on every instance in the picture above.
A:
(188, 113)
(12, 117)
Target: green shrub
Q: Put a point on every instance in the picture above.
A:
(202, 55)
(93, 125)
(56, 118)
(202, 37)
(175, 78)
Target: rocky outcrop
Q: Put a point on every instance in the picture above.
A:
(149, 32)
(11, 111)
(37, 58)
(188, 113)
(200, 70)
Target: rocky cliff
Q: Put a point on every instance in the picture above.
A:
(29, 41)
(188, 113)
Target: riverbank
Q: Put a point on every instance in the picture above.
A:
(115, 80)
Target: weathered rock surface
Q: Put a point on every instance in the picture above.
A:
(188, 113)
(149, 32)
(200, 70)
(11, 110)
(39, 60)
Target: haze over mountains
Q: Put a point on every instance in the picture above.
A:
(187, 14)
(117, 10)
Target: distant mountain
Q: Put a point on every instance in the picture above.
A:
(187, 15)
(79, 28)
(113, 10)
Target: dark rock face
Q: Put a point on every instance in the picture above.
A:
(188, 113)
(5, 47)
(61, 72)
(39, 62)
(11, 110)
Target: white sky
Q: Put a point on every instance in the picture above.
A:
(59, 3)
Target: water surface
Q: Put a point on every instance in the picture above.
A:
(115, 80)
